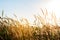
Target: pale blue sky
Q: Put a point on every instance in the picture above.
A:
(19, 7)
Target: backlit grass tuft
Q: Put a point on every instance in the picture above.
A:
(11, 29)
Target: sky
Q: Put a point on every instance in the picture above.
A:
(19, 7)
(27, 8)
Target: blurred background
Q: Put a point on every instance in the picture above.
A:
(27, 8)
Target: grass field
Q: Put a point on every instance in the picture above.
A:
(11, 29)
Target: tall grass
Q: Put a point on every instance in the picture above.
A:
(11, 29)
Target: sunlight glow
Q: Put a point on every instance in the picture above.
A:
(54, 5)
(51, 6)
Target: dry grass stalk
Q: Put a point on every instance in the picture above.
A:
(15, 30)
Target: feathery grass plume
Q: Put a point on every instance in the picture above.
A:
(54, 18)
(2, 13)
(23, 31)
(45, 14)
(15, 16)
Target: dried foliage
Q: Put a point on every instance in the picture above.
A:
(11, 29)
